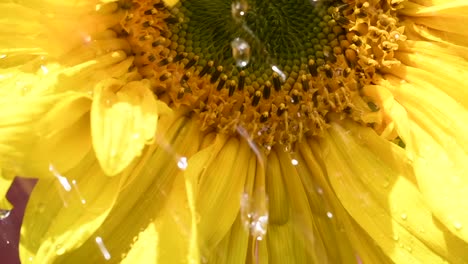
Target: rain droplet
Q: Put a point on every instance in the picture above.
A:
(103, 248)
(2, 56)
(241, 52)
(182, 163)
(259, 227)
(239, 9)
(404, 216)
(457, 225)
(329, 214)
(294, 162)
(4, 214)
(396, 237)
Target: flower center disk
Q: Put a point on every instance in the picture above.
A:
(271, 70)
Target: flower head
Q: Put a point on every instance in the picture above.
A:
(245, 132)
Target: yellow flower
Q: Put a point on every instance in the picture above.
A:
(237, 133)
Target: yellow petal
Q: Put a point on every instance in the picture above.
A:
(337, 244)
(153, 193)
(220, 188)
(301, 229)
(124, 119)
(145, 249)
(374, 182)
(63, 212)
(40, 131)
(440, 151)
(364, 247)
(26, 25)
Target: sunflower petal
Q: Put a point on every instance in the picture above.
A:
(63, 212)
(123, 119)
(37, 131)
(220, 187)
(145, 249)
(389, 206)
(439, 138)
(154, 193)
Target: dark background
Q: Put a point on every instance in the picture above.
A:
(10, 226)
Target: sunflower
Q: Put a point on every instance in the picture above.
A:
(250, 131)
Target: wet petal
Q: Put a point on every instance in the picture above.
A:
(301, 229)
(63, 212)
(219, 189)
(145, 249)
(373, 180)
(37, 131)
(154, 193)
(124, 119)
(440, 151)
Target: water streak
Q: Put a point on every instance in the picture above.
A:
(103, 248)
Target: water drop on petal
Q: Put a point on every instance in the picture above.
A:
(182, 163)
(404, 216)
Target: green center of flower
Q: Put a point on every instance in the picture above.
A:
(271, 70)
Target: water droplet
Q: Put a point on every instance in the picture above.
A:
(254, 220)
(294, 162)
(2, 56)
(404, 216)
(396, 237)
(103, 248)
(329, 215)
(182, 163)
(239, 9)
(136, 136)
(457, 225)
(319, 190)
(259, 227)
(87, 39)
(241, 52)
(4, 214)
